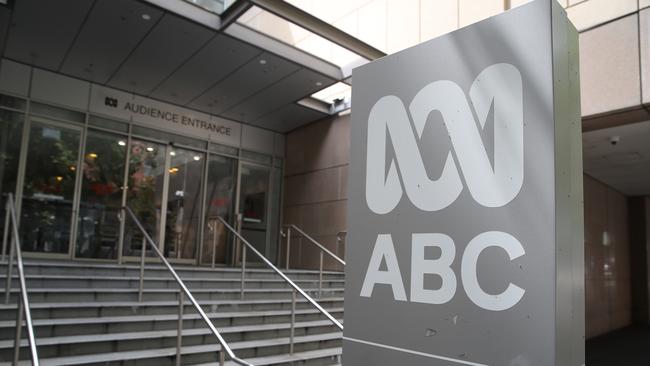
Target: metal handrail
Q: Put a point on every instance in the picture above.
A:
(322, 248)
(23, 302)
(281, 274)
(185, 291)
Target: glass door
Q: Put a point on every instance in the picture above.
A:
(146, 185)
(184, 203)
(219, 202)
(253, 206)
(49, 186)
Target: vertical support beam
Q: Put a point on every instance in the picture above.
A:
(288, 247)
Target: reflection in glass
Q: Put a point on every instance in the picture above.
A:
(183, 203)
(253, 199)
(101, 195)
(50, 173)
(144, 194)
(219, 201)
(11, 127)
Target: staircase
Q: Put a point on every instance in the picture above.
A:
(88, 314)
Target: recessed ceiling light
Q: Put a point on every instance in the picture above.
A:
(318, 83)
(146, 16)
(150, 149)
(262, 62)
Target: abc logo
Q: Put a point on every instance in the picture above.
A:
(111, 102)
(499, 85)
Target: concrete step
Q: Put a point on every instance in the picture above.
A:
(97, 281)
(198, 353)
(75, 345)
(327, 356)
(53, 310)
(157, 270)
(151, 294)
(114, 324)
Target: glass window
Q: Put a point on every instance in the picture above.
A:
(56, 112)
(257, 157)
(50, 175)
(101, 195)
(222, 149)
(169, 137)
(144, 193)
(292, 34)
(108, 124)
(253, 206)
(184, 203)
(12, 102)
(219, 201)
(11, 130)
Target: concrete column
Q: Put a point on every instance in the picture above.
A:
(639, 221)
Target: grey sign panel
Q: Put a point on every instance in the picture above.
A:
(465, 210)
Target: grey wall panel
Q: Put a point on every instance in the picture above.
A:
(5, 16)
(289, 118)
(290, 89)
(113, 29)
(41, 32)
(258, 74)
(47, 87)
(215, 61)
(279, 144)
(166, 47)
(14, 78)
(257, 139)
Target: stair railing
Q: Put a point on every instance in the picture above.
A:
(313, 241)
(23, 301)
(296, 288)
(185, 292)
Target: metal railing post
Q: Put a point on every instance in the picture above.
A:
(19, 327)
(288, 247)
(179, 334)
(222, 357)
(243, 271)
(293, 321)
(142, 255)
(10, 267)
(214, 242)
(320, 277)
(5, 233)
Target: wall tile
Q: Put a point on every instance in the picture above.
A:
(472, 11)
(588, 14)
(437, 18)
(609, 67)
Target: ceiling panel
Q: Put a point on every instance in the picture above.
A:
(288, 90)
(41, 32)
(172, 41)
(256, 75)
(113, 29)
(289, 118)
(215, 61)
(624, 165)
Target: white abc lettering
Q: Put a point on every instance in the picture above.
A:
(384, 249)
(440, 267)
(491, 186)
(508, 298)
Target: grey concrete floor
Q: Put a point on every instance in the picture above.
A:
(626, 347)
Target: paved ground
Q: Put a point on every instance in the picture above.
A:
(626, 347)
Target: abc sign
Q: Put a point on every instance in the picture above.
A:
(499, 87)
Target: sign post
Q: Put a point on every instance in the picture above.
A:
(465, 224)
